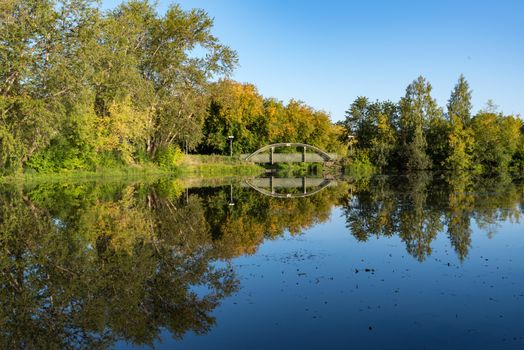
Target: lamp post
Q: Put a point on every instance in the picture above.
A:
(230, 138)
(350, 138)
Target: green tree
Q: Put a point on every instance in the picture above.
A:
(418, 111)
(179, 79)
(238, 110)
(373, 126)
(359, 123)
(460, 137)
(40, 71)
(497, 139)
(459, 103)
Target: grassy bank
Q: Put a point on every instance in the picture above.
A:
(192, 165)
(213, 165)
(136, 171)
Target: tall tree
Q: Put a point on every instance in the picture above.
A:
(235, 109)
(460, 137)
(417, 111)
(40, 71)
(180, 80)
(358, 122)
(459, 103)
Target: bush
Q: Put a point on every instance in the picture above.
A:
(359, 166)
(60, 155)
(169, 157)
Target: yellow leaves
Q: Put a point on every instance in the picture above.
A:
(121, 128)
(119, 222)
(239, 102)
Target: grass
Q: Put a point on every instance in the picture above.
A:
(130, 172)
(192, 165)
(213, 165)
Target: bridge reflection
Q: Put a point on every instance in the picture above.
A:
(302, 186)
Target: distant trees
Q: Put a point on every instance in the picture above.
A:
(415, 134)
(235, 109)
(82, 88)
(239, 110)
(373, 125)
(497, 138)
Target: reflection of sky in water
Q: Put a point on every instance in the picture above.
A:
(324, 289)
(418, 261)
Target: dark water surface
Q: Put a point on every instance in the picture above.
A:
(423, 261)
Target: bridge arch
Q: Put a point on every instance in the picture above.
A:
(325, 156)
(270, 193)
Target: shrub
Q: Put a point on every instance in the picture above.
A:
(169, 157)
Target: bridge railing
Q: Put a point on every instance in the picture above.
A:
(288, 158)
(316, 156)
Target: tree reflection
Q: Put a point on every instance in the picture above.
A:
(420, 206)
(90, 264)
(86, 265)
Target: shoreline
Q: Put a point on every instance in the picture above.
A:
(192, 166)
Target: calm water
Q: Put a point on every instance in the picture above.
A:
(411, 262)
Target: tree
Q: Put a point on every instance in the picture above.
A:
(459, 103)
(460, 145)
(235, 109)
(460, 137)
(358, 122)
(418, 110)
(496, 140)
(373, 125)
(179, 79)
(40, 46)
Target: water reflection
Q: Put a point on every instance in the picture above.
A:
(289, 187)
(419, 207)
(86, 265)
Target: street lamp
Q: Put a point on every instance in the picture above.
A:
(350, 138)
(230, 138)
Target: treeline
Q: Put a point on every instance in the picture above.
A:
(417, 134)
(239, 110)
(82, 88)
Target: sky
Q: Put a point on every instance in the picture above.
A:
(327, 52)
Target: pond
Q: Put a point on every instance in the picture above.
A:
(425, 261)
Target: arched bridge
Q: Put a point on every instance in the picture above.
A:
(316, 155)
(302, 187)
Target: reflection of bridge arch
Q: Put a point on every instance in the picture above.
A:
(271, 193)
(323, 155)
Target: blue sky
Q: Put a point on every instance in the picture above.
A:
(326, 53)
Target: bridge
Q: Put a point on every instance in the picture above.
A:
(315, 154)
(305, 186)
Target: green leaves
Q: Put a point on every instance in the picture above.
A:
(372, 124)
(414, 135)
(135, 79)
(497, 138)
(418, 110)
